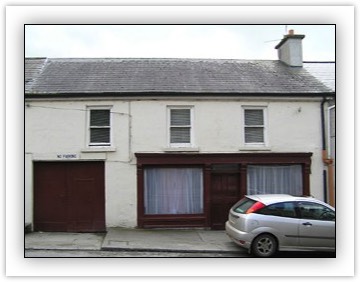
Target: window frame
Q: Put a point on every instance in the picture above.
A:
(264, 126)
(191, 144)
(89, 127)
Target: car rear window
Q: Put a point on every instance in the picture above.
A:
(243, 205)
(285, 209)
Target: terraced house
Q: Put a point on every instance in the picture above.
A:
(168, 142)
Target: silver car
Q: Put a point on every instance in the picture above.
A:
(265, 224)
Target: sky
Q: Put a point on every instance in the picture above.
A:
(175, 41)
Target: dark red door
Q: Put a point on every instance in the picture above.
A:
(69, 196)
(225, 192)
(50, 194)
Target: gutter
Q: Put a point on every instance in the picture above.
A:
(174, 94)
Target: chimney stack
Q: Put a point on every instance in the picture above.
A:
(290, 49)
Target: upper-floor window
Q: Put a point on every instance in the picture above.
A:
(180, 126)
(254, 126)
(99, 127)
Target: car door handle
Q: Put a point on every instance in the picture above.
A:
(307, 224)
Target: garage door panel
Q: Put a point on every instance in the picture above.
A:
(84, 193)
(49, 190)
(69, 197)
(82, 196)
(51, 226)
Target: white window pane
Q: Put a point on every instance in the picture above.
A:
(180, 135)
(99, 127)
(99, 118)
(254, 135)
(100, 135)
(254, 117)
(180, 117)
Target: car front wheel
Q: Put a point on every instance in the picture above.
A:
(264, 246)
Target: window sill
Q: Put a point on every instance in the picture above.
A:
(181, 149)
(98, 149)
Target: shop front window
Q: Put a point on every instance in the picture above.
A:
(173, 191)
(274, 179)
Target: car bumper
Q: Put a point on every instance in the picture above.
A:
(243, 239)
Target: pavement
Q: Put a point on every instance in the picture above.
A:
(131, 239)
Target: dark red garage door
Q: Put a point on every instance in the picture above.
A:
(69, 196)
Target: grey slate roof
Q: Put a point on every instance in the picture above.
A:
(33, 68)
(169, 76)
(324, 71)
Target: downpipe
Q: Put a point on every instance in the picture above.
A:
(327, 161)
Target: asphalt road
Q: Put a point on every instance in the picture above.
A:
(132, 254)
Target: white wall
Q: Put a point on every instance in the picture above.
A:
(59, 127)
(292, 126)
(28, 188)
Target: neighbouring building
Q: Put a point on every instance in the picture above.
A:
(168, 142)
(325, 72)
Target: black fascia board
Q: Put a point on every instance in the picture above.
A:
(174, 94)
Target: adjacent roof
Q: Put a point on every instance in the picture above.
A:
(324, 71)
(33, 68)
(167, 76)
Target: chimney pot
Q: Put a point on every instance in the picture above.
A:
(291, 32)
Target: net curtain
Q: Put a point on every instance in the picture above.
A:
(173, 190)
(279, 179)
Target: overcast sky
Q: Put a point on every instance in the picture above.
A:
(175, 41)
